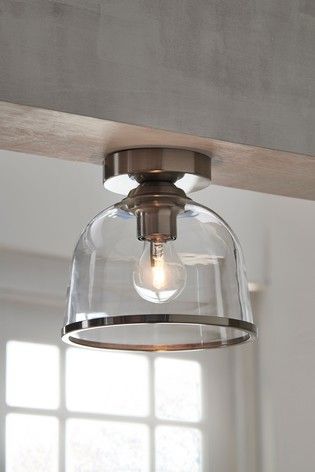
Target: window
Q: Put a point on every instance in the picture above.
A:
(80, 410)
(107, 383)
(32, 375)
(31, 443)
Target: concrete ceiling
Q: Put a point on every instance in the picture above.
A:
(242, 72)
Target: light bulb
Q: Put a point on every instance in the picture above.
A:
(159, 276)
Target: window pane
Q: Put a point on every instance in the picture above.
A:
(178, 449)
(32, 375)
(106, 382)
(177, 389)
(107, 446)
(31, 443)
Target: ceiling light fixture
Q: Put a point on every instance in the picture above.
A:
(157, 271)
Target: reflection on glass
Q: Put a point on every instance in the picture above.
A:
(178, 449)
(31, 443)
(106, 382)
(106, 446)
(32, 375)
(177, 389)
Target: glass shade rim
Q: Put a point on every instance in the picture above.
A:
(248, 331)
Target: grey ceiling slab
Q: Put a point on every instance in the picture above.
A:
(240, 71)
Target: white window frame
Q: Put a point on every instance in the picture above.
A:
(62, 413)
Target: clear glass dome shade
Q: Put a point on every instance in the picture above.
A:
(190, 293)
(181, 294)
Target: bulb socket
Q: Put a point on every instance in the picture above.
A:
(157, 223)
(156, 206)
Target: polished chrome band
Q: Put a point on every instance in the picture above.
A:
(249, 331)
(124, 169)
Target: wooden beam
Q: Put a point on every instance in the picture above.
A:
(79, 138)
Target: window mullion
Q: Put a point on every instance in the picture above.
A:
(152, 412)
(62, 411)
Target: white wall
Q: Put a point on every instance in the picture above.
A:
(287, 339)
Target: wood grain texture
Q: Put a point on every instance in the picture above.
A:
(78, 138)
